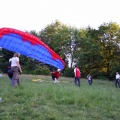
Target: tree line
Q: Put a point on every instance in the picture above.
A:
(96, 51)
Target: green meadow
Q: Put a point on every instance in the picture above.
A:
(44, 100)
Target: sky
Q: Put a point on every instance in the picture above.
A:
(37, 14)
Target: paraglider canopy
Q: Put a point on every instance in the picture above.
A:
(30, 46)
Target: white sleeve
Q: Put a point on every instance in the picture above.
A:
(75, 72)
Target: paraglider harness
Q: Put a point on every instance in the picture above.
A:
(9, 71)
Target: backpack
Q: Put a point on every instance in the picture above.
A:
(9, 65)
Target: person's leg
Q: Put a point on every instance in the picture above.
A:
(75, 81)
(119, 83)
(18, 81)
(15, 76)
(116, 83)
(89, 82)
(11, 81)
(53, 77)
(55, 81)
(10, 77)
(78, 79)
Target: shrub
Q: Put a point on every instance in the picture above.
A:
(41, 71)
(68, 72)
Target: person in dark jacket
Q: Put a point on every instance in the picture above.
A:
(9, 71)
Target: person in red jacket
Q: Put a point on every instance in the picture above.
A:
(77, 75)
(56, 75)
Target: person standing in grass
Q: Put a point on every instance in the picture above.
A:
(16, 68)
(89, 77)
(117, 82)
(77, 75)
(56, 75)
(9, 71)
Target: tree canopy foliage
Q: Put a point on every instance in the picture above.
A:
(96, 51)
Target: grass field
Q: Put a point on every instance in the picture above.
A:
(63, 101)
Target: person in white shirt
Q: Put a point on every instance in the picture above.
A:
(117, 82)
(89, 77)
(16, 68)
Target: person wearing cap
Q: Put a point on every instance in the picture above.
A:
(16, 68)
(56, 75)
(77, 75)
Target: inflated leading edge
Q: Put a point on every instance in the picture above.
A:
(29, 45)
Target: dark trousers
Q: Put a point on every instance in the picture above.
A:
(90, 82)
(77, 81)
(117, 83)
(53, 77)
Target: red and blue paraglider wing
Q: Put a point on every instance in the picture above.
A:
(30, 46)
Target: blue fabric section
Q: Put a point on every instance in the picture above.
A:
(15, 43)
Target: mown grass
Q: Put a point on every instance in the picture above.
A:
(62, 101)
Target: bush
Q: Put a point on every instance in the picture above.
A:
(68, 72)
(41, 71)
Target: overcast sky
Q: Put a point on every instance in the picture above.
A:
(37, 14)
